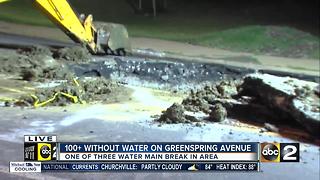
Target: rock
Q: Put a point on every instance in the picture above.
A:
(156, 116)
(176, 114)
(263, 130)
(29, 74)
(196, 104)
(201, 100)
(227, 89)
(294, 98)
(271, 127)
(165, 77)
(8, 104)
(218, 113)
(48, 63)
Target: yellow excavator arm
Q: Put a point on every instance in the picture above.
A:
(78, 29)
(99, 38)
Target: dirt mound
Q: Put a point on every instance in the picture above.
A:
(101, 89)
(78, 91)
(37, 64)
(36, 51)
(34, 64)
(205, 100)
(218, 113)
(176, 114)
(75, 54)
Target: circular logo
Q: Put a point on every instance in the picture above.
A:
(45, 151)
(270, 152)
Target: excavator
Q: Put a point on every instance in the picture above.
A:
(98, 37)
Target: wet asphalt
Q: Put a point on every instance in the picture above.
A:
(93, 124)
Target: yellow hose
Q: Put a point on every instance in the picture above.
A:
(37, 103)
(74, 99)
(5, 99)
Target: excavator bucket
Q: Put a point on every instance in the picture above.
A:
(118, 42)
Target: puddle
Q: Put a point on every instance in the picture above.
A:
(47, 125)
(36, 127)
(145, 97)
(91, 112)
(17, 135)
(143, 105)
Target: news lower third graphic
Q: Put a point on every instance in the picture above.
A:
(46, 154)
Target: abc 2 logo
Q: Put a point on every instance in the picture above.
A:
(280, 152)
(40, 151)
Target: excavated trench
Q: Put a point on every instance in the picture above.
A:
(160, 74)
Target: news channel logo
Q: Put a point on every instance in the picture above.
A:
(280, 152)
(40, 148)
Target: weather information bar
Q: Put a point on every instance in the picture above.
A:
(101, 167)
(128, 167)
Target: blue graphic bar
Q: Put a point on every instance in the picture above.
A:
(229, 147)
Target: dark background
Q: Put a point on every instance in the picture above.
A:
(302, 14)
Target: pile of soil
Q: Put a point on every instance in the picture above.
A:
(89, 90)
(77, 54)
(101, 89)
(218, 113)
(34, 51)
(41, 64)
(34, 64)
(176, 114)
(205, 100)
